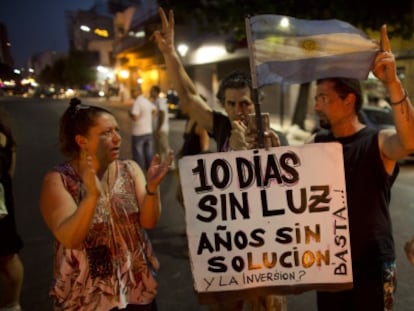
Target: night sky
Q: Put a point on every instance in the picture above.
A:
(36, 26)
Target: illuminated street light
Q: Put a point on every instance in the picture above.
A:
(101, 32)
(124, 74)
(85, 28)
(138, 34)
(284, 22)
(182, 49)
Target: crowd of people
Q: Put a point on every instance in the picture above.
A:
(99, 207)
(370, 160)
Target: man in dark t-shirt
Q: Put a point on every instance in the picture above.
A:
(370, 163)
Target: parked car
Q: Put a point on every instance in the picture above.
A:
(173, 102)
(380, 118)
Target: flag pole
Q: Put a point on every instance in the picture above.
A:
(255, 95)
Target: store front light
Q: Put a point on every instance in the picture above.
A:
(101, 32)
(102, 69)
(124, 74)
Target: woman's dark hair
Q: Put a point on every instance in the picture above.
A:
(77, 120)
(156, 89)
(345, 86)
(235, 80)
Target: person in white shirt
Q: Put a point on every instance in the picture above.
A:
(161, 123)
(141, 113)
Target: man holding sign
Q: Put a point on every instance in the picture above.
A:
(235, 94)
(370, 159)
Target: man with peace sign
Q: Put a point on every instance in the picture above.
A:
(370, 161)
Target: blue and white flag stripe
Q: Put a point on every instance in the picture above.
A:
(290, 50)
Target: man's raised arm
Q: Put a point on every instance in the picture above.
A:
(190, 101)
(394, 145)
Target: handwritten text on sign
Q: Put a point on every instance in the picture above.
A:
(267, 218)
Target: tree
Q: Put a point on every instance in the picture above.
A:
(79, 69)
(224, 16)
(76, 70)
(7, 73)
(52, 74)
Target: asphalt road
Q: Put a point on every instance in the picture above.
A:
(35, 124)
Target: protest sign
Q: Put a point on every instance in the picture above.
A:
(270, 219)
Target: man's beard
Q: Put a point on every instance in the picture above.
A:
(324, 122)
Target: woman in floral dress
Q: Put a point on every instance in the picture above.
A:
(98, 208)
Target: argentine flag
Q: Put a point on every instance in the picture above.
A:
(284, 49)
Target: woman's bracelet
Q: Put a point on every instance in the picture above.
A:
(401, 100)
(149, 192)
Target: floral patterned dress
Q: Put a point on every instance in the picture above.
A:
(121, 268)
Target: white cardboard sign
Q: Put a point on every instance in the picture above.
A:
(260, 218)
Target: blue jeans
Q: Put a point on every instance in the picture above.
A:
(143, 150)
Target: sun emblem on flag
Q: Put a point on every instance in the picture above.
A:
(309, 45)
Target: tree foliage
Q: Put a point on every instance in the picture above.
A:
(224, 16)
(76, 70)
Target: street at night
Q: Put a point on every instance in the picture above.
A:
(35, 124)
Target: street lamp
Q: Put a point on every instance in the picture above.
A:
(85, 28)
(182, 49)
